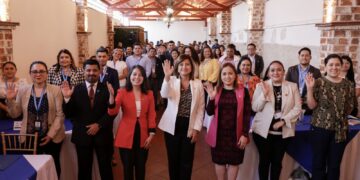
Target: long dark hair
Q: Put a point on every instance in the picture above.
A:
(65, 51)
(244, 58)
(202, 56)
(183, 58)
(220, 84)
(194, 55)
(266, 77)
(144, 85)
(331, 56)
(350, 75)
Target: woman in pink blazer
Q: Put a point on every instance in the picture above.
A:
(228, 130)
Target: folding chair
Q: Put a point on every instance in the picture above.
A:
(19, 142)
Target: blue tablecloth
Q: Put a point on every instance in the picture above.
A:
(19, 169)
(300, 147)
(7, 126)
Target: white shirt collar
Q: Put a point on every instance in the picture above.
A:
(88, 84)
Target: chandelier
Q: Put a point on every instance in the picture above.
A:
(168, 19)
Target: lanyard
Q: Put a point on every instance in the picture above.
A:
(302, 75)
(37, 105)
(64, 76)
(102, 75)
(6, 83)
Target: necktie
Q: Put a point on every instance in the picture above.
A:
(91, 95)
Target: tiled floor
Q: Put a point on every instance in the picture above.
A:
(157, 168)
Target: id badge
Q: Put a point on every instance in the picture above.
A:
(37, 125)
(277, 115)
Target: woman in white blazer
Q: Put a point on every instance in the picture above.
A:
(277, 105)
(183, 117)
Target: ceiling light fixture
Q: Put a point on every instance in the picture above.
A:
(168, 19)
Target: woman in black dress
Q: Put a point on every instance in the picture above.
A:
(228, 131)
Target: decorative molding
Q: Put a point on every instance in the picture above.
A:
(8, 25)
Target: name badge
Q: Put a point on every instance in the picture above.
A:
(277, 115)
(37, 125)
(17, 125)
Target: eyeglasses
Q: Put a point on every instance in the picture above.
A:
(38, 72)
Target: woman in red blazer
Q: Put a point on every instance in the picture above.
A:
(137, 126)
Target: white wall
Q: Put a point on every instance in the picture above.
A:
(184, 31)
(293, 22)
(98, 29)
(239, 22)
(45, 28)
(290, 25)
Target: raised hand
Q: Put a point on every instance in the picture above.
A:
(265, 88)
(168, 69)
(66, 90)
(210, 90)
(309, 80)
(11, 91)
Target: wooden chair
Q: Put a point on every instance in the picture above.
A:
(19, 142)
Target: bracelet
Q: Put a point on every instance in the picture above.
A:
(152, 133)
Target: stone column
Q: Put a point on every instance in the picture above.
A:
(340, 30)
(225, 27)
(82, 31)
(6, 33)
(110, 29)
(212, 28)
(6, 41)
(255, 29)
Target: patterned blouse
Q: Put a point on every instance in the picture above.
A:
(185, 103)
(334, 102)
(42, 115)
(250, 85)
(76, 77)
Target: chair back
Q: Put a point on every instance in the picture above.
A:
(19, 142)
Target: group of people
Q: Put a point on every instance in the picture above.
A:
(226, 88)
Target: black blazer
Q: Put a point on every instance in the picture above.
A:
(259, 64)
(112, 77)
(292, 75)
(81, 114)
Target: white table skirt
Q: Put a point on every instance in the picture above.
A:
(44, 166)
(68, 161)
(350, 165)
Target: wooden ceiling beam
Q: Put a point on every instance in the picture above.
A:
(159, 16)
(175, 9)
(119, 3)
(160, 4)
(207, 12)
(137, 19)
(217, 4)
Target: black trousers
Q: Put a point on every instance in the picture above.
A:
(85, 161)
(327, 154)
(54, 150)
(271, 152)
(135, 157)
(180, 151)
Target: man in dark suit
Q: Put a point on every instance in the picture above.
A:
(86, 105)
(256, 60)
(298, 72)
(107, 74)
